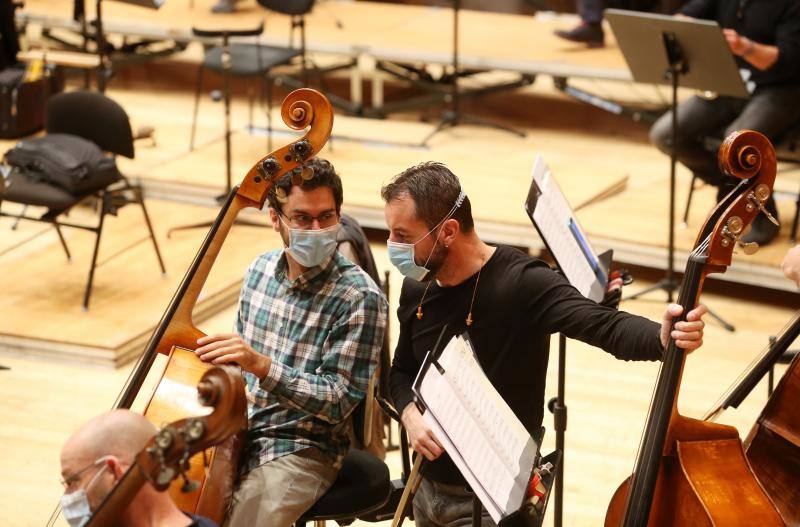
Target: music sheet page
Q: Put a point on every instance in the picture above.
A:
(487, 442)
(564, 236)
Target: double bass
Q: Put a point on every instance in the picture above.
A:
(176, 336)
(162, 458)
(691, 472)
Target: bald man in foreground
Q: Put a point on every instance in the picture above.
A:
(95, 458)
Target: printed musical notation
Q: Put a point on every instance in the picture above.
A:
(487, 442)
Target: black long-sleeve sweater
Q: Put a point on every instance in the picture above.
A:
(771, 22)
(519, 303)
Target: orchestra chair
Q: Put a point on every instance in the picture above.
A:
(252, 60)
(96, 118)
(787, 148)
(363, 484)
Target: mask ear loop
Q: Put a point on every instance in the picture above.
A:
(456, 205)
(459, 201)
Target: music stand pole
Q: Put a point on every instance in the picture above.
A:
(677, 66)
(557, 406)
(453, 116)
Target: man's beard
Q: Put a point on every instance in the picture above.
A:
(435, 262)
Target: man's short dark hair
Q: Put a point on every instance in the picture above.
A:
(324, 176)
(434, 189)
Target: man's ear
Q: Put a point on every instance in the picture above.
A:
(450, 229)
(116, 467)
(276, 221)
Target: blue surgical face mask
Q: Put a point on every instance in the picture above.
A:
(402, 254)
(75, 505)
(402, 257)
(310, 248)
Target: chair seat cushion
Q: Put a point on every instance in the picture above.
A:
(249, 59)
(20, 189)
(362, 485)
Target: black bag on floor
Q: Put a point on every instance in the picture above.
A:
(22, 102)
(67, 161)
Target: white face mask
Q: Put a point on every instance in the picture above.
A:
(75, 505)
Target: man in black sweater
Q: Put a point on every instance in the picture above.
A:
(764, 37)
(508, 302)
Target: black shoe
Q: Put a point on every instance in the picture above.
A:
(762, 231)
(585, 33)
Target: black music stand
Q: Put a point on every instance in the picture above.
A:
(225, 35)
(677, 52)
(454, 116)
(79, 13)
(574, 256)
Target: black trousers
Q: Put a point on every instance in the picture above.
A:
(591, 11)
(771, 111)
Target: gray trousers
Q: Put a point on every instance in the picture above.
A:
(438, 505)
(278, 493)
(771, 111)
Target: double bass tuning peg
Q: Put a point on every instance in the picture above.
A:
(756, 199)
(189, 485)
(732, 232)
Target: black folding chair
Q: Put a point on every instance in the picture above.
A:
(96, 118)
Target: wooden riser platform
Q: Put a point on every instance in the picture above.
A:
(42, 293)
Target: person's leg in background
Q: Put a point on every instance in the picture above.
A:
(698, 119)
(590, 30)
(771, 111)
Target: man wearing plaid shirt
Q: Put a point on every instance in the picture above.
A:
(308, 334)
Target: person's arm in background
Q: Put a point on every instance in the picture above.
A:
(698, 9)
(791, 264)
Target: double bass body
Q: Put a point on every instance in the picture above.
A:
(705, 480)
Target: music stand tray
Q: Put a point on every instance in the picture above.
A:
(712, 66)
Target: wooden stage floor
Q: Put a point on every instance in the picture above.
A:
(68, 365)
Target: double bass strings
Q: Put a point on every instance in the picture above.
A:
(698, 251)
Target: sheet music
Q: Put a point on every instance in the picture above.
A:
(487, 442)
(564, 236)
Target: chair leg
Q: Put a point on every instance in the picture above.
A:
(198, 87)
(269, 112)
(21, 214)
(137, 191)
(99, 233)
(250, 98)
(63, 241)
(793, 235)
(685, 220)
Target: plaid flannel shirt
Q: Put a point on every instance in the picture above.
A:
(324, 332)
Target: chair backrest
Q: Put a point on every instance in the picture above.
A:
(288, 7)
(93, 116)
(352, 232)
(362, 415)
